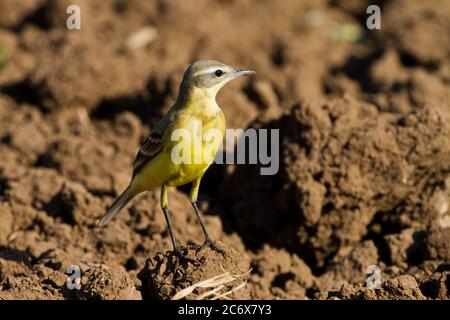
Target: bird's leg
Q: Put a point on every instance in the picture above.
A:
(176, 248)
(208, 242)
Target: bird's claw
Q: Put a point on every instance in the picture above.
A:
(208, 244)
(182, 259)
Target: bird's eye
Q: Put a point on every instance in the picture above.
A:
(218, 73)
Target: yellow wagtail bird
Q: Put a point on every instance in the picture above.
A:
(154, 165)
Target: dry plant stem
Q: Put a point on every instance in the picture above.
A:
(211, 292)
(217, 282)
(243, 283)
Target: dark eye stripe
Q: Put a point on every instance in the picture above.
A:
(218, 73)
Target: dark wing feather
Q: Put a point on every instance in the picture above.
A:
(153, 144)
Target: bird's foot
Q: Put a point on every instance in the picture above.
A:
(208, 244)
(181, 258)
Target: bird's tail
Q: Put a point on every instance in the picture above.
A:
(115, 208)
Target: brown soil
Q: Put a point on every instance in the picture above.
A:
(364, 125)
(164, 275)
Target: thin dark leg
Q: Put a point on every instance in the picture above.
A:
(176, 248)
(197, 213)
(208, 242)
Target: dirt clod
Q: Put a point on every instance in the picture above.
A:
(165, 275)
(105, 283)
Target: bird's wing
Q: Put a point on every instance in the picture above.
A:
(154, 143)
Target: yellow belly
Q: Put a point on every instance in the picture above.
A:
(163, 170)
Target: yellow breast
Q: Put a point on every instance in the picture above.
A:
(194, 137)
(199, 150)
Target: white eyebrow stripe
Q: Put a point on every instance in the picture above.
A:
(209, 70)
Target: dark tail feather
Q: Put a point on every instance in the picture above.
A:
(115, 208)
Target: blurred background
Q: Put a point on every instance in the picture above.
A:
(364, 142)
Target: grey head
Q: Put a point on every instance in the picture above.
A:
(210, 75)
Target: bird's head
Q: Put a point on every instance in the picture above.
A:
(208, 76)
